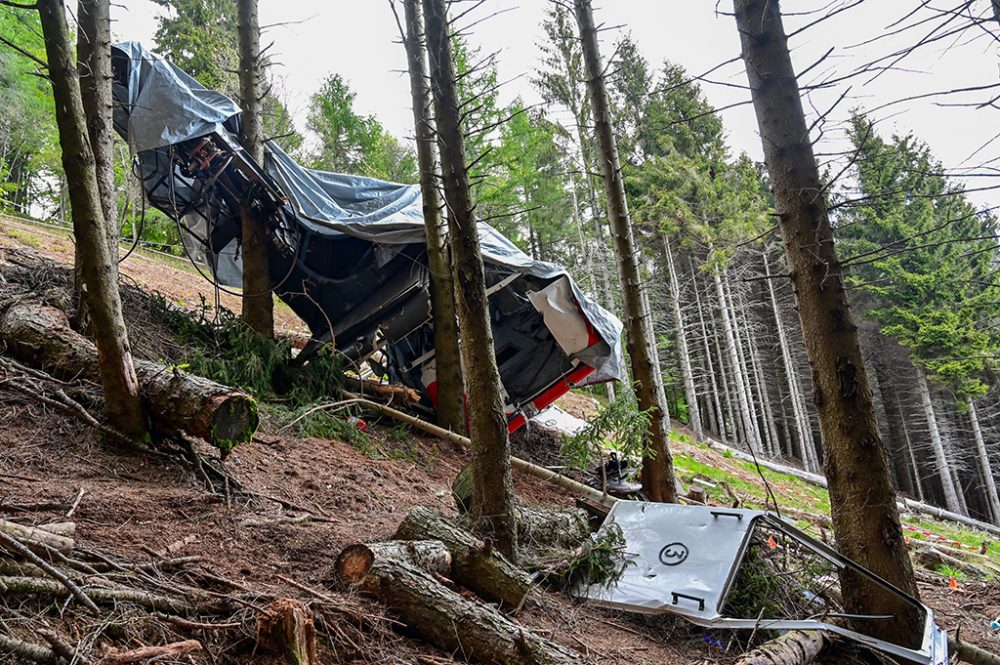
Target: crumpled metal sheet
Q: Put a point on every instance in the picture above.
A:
(683, 560)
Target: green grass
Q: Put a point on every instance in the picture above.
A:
(793, 492)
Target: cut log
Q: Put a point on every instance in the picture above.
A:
(475, 565)
(166, 652)
(457, 624)
(37, 537)
(430, 556)
(286, 627)
(176, 401)
(795, 647)
(970, 653)
(537, 528)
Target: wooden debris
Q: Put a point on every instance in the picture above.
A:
(37, 537)
(146, 654)
(474, 564)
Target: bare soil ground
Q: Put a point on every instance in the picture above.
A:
(134, 503)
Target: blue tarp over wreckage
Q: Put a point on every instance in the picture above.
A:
(347, 252)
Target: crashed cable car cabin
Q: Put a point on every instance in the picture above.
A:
(347, 253)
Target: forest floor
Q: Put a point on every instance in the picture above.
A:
(133, 504)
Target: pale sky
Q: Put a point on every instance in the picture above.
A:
(359, 39)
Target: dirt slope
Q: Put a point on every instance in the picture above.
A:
(134, 503)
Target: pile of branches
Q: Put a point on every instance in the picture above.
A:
(64, 603)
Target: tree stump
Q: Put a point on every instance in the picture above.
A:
(286, 627)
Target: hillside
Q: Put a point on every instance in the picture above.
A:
(300, 500)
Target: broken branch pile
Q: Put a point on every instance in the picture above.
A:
(63, 603)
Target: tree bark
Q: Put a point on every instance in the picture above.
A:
(93, 54)
(690, 393)
(455, 623)
(944, 472)
(493, 501)
(795, 647)
(177, 402)
(121, 388)
(985, 468)
(257, 302)
(856, 462)
(447, 355)
(657, 466)
(475, 565)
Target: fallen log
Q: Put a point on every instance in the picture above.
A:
(430, 556)
(176, 401)
(932, 558)
(457, 624)
(474, 564)
(159, 653)
(37, 537)
(538, 528)
(286, 627)
(796, 647)
(970, 653)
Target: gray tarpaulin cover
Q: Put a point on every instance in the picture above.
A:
(165, 107)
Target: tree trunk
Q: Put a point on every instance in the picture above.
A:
(93, 54)
(475, 565)
(985, 468)
(121, 389)
(803, 429)
(657, 467)
(710, 366)
(743, 375)
(493, 501)
(177, 402)
(856, 462)
(773, 443)
(455, 623)
(447, 356)
(739, 386)
(690, 393)
(941, 460)
(258, 303)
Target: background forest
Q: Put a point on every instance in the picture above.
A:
(921, 258)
